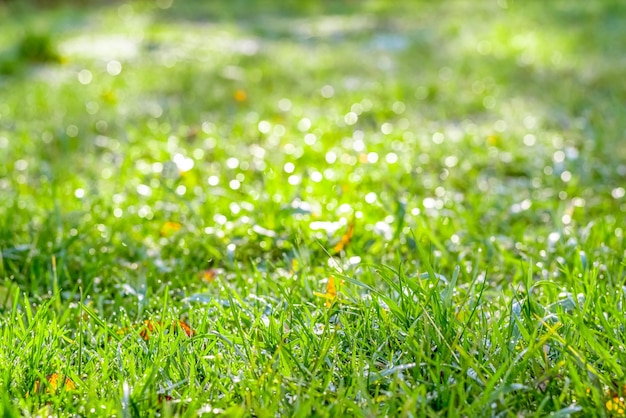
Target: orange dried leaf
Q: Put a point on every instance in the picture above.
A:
(148, 328)
(208, 275)
(170, 228)
(53, 384)
(190, 332)
(345, 239)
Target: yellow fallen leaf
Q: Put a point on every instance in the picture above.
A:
(148, 327)
(53, 384)
(331, 292)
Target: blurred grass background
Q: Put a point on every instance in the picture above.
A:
(488, 107)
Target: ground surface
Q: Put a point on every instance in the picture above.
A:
(313, 208)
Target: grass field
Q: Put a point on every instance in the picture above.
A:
(313, 208)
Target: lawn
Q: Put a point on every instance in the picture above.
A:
(313, 208)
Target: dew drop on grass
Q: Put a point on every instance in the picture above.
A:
(429, 203)
(529, 140)
(357, 108)
(234, 184)
(350, 118)
(85, 77)
(391, 158)
(398, 108)
(451, 161)
(92, 108)
(553, 237)
(234, 208)
(566, 176)
(284, 104)
(310, 139)
(316, 176)
(618, 193)
(20, 165)
(370, 197)
(144, 190)
(304, 125)
(289, 167)
(183, 163)
(327, 91)
(71, 131)
(264, 127)
(114, 67)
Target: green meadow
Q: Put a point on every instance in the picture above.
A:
(312, 208)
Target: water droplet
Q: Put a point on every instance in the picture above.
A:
(234, 184)
(372, 157)
(310, 139)
(618, 193)
(351, 118)
(553, 237)
(85, 77)
(558, 157)
(451, 161)
(114, 67)
(304, 125)
(284, 104)
(386, 128)
(289, 167)
(391, 158)
(327, 91)
(144, 190)
(437, 138)
(316, 176)
(566, 176)
(264, 127)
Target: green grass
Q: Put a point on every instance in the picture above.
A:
(476, 148)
